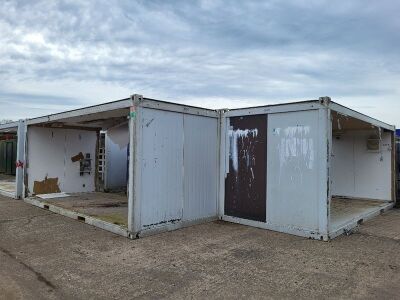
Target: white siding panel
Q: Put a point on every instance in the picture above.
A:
(161, 167)
(200, 167)
(292, 169)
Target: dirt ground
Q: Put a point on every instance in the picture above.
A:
(7, 183)
(48, 256)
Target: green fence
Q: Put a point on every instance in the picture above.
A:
(8, 156)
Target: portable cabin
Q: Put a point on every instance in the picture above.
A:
(139, 166)
(315, 168)
(12, 140)
(134, 166)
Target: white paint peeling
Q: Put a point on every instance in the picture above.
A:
(295, 142)
(234, 136)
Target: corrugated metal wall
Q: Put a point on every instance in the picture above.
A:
(178, 167)
(8, 156)
(398, 167)
(3, 157)
(162, 167)
(200, 167)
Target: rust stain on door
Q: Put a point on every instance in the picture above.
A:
(47, 186)
(245, 185)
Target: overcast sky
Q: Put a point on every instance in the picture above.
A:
(59, 55)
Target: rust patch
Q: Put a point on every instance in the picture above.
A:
(77, 157)
(47, 186)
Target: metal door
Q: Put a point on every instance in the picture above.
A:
(245, 185)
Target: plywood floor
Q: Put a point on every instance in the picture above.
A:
(7, 183)
(344, 211)
(109, 207)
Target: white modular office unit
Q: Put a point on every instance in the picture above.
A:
(175, 181)
(314, 169)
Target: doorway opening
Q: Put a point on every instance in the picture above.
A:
(361, 171)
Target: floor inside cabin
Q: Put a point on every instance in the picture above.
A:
(108, 207)
(7, 183)
(345, 210)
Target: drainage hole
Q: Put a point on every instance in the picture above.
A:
(80, 218)
(46, 207)
(359, 222)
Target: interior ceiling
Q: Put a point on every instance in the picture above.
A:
(100, 120)
(342, 123)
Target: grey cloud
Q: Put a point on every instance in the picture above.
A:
(36, 99)
(244, 51)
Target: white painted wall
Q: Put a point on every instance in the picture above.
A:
(178, 167)
(116, 165)
(49, 154)
(357, 172)
(293, 149)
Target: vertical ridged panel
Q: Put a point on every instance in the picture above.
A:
(200, 167)
(161, 167)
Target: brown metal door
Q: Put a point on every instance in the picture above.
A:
(245, 184)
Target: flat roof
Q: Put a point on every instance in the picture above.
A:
(113, 105)
(7, 126)
(108, 106)
(355, 114)
(331, 104)
(125, 103)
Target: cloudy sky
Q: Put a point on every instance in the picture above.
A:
(59, 55)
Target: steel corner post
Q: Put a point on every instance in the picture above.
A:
(134, 221)
(20, 162)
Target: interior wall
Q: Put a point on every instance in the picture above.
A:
(116, 164)
(357, 172)
(178, 167)
(49, 156)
